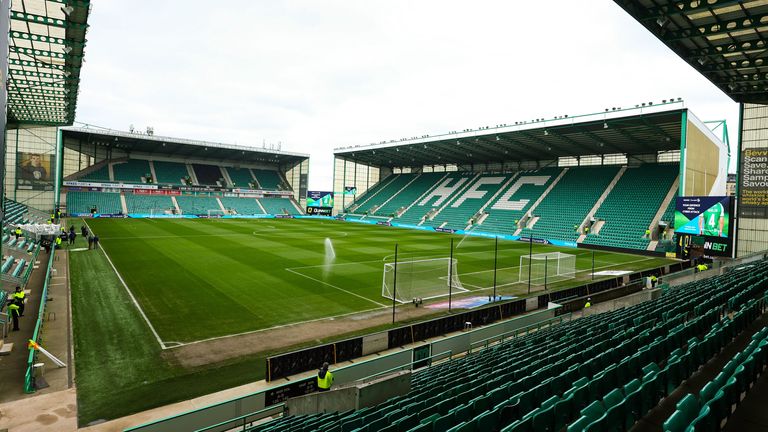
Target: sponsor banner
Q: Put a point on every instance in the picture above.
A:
(753, 184)
(79, 214)
(160, 216)
(409, 226)
(467, 302)
(283, 216)
(313, 217)
(319, 211)
(109, 215)
(257, 216)
(445, 230)
(383, 223)
(534, 240)
(109, 185)
(362, 221)
(612, 273)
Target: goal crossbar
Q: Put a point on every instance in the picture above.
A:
(422, 278)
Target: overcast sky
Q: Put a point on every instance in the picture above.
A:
(317, 75)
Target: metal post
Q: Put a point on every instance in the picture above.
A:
(530, 261)
(593, 265)
(495, 259)
(394, 287)
(545, 272)
(450, 277)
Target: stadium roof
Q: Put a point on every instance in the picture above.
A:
(724, 40)
(641, 130)
(174, 147)
(45, 43)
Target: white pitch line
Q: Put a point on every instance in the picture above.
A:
(334, 286)
(513, 283)
(136, 303)
(180, 344)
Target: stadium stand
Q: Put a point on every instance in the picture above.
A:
(366, 196)
(148, 204)
(242, 205)
(435, 197)
(417, 186)
(278, 206)
(197, 204)
(131, 171)
(16, 213)
(569, 201)
(101, 174)
(208, 175)
(390, 188)
(241, 177)
(514, 202)
(170, 172)
(83, 202)
(624, 225)
(598, 373)
(459, 211)
(269, 179)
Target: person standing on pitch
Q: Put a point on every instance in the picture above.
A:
(324, 378)
(90, 240)
(95, 241)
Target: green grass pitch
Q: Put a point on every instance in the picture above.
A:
(207, 278)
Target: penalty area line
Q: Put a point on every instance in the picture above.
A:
(335, 287)
(130, 294)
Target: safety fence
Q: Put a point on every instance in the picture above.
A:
(29, 377)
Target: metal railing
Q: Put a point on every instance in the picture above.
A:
(512, 334)
(29, 379)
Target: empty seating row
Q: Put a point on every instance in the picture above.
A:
(84, 202)
(645, 187)
(602, 372)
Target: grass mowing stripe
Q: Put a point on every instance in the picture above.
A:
(130, 294)
(334, 286)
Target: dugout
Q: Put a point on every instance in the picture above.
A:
(725, 41)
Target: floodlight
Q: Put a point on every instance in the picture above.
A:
(497, 138)
(545, 132)
(67, 10)
(662, 21)
(605, 125)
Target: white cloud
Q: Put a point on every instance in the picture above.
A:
(317, 75)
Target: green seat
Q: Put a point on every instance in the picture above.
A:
(487, 421)
(580, 424)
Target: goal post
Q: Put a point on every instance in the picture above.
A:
(547, 267)
(216, 213)
(422, 278)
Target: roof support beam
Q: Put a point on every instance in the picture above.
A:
(685, 7)
(35, 53)
(34, 37)
(547, 144)
(29, 73)
(716, 29)
(45, 20)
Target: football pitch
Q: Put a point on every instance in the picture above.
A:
(201, 279)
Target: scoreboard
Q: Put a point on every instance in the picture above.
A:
(319, 203)
(704, 225)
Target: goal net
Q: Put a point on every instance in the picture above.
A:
(216, 213)
(423, 279)
(547, 267)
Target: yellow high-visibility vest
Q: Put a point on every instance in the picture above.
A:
(326, 382)
(587, 305)
(19, 295)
